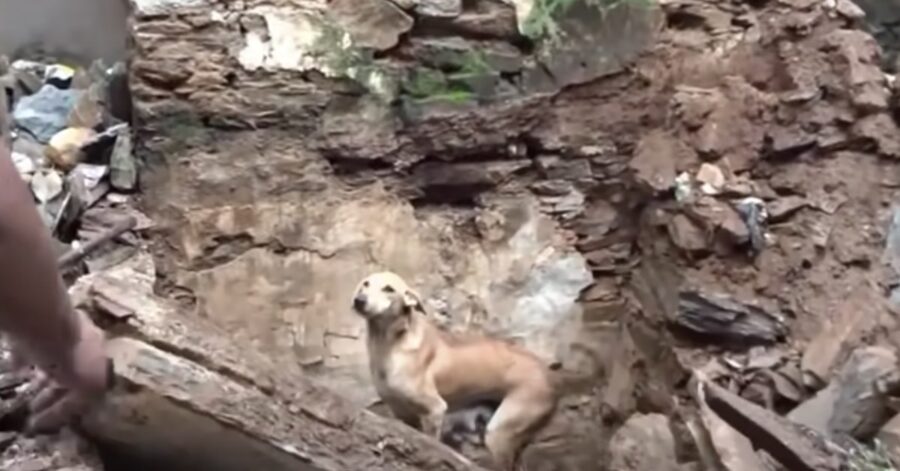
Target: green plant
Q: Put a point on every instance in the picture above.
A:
(542, 21)
(866, 458)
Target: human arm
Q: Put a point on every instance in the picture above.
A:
(35, 310)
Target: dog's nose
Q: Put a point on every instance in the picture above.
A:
(359, 302)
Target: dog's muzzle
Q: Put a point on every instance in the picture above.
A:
(359, 303)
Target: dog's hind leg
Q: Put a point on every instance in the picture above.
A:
(519, 416)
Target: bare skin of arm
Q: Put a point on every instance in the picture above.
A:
(35, 310)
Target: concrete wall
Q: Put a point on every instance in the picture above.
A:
(78, 29)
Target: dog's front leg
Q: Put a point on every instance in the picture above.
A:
(435, 409)
(433, 420)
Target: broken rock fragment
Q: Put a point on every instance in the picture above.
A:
(439, 8)
(719, 318)
(710, 178)
(850, 406)
(794, 447)
(655, 160)
(644, 443)
(783, 208)
(375, 24)
(853, 317)
(881, 132)
(122, 165)
(686, 235)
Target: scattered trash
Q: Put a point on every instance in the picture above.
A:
(753, 212)
(46, 112)
(58, 75)
(682, 187)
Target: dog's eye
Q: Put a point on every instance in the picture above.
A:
(388, 289)
(365, 284)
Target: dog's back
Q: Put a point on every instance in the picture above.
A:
(471, 368)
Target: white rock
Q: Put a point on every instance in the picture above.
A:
(46, 185)
(711, 179)
(23, 164)
(91, 174)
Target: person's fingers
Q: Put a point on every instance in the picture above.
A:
(45, 398)
(57, 414)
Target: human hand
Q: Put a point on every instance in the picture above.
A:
(70, 384)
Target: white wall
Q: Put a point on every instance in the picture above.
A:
(83, 29)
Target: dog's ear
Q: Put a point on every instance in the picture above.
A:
(412, 300)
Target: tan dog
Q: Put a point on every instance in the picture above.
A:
(421, 372)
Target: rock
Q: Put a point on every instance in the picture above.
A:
(786, 142)
(46, 112)
(35, 151)
(686, 235)
(851, 406)
(655, 160)
(850, 10)
(584, 41)
(880, 131)
(790, 445)
(783, 208)
(851, 319)
(719, 219)
(857, 53)
(119, 93)
(718, 318)
(26, 81)
(726, 447)
(46, 185)
(89, 111)
(889, 436)
(375, 24)
(123, 171)
(482, 19)
(90, 174)
(711, 178)
(24, 165)
(65, 148)
(643, 443)
(439, 8)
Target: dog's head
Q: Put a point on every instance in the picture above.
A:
(385, 295)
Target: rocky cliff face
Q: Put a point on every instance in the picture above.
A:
(535, 171)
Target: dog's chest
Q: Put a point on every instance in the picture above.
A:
(395, 376)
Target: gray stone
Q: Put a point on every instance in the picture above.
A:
(720, 318)
(375, 24)
(643, 443)
(439, 8)
(46, 112)
(123, 171)
(891, 255)
(850, 406)
(584, 41)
